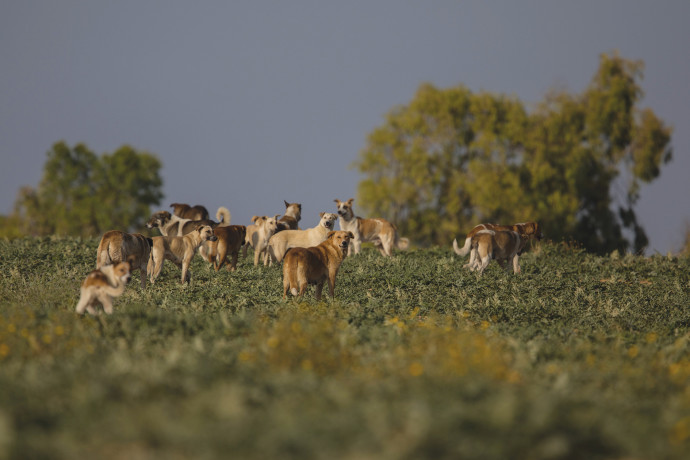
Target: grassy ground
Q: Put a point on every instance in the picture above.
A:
(577, 357)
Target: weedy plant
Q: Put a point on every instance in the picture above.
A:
(579, 356)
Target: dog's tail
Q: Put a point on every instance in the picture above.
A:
(223, 216)
(463, 251)
(402, 243)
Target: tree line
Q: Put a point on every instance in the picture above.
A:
(447, 160)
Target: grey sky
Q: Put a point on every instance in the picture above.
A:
(249, 103)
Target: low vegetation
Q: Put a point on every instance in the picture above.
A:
(580, 356)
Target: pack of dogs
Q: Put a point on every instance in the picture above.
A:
(312, 256)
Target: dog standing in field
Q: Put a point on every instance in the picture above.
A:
(116, 246)
(501, 245)
(229, 241)
(258, 234)
(282, 241)
(185, 211)
(172, 225)
(101, 286)
(291, 218)
(315, 265)
(379, 231)
(178, 249)
(526, 229)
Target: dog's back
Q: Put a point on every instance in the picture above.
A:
(185, 211)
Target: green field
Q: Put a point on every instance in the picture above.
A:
(580, 356)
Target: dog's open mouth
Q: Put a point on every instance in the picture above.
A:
(329, 224)
(344, 244)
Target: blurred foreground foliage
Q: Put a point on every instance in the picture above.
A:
(580, 356)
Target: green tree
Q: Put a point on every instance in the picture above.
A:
(82, 194)
(451, 159)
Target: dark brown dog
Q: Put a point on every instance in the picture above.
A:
(229, 242)
(315, 265)
(185, 211)
(117, 246)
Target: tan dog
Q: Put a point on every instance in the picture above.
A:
(379, 231)
(116, 246)
(101, 286)
(230, 240)
(501, 245)
(282, 241)
(177, 249)
(315, 265)
(293, 214)
(258, 234)
(172, 225)
(528, 229)
(185, 211)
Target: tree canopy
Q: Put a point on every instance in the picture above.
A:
(82, 194)
(451, 159)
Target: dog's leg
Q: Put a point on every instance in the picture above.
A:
(107, 303)
(221, 254)
(319, 288)
(355, 247)
(516, 264)
(258, 248)
(233, 264)
(92, 309)
(331, 285)
(84, 302)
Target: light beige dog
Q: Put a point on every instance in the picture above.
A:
(501, 245)
(315, 265)
(101, 286)
(282, 241)
(526, 229)
(117, 246)
(258, 234)
(178, 249)
(379, 231)
(291, 218)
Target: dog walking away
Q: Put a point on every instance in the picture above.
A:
(530, 229)
(101, 286)
(379, 231)
(185, 211)
(116, 246)
(282, 241)
(178, 249)
(291, 218)
(258, 234)
(315, 265)
(230, 240)
(172, 225)
(501, 245)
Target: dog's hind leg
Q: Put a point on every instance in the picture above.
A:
(84, 302)
(107, 303)
(318, 289)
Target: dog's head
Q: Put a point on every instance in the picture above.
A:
(341, 239)
(328, 220)
(159, 219)
(345, 208)
(206, 233)
(529, 229)
(293, 210)
(122, 270)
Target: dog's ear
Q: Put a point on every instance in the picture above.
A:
(350, 201)
(276, 216)
(286, 203)
(255, 218)
(330, 234)
(351, 235)
(337, 201)
(321, 214)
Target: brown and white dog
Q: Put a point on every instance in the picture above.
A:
(291, 218)
(379, 231)
(172, 225)
(178, 249)
(258, 234)
(282, 241)
(527, 229)
(315, 265)
(185, 211)
(101, 286)
(117, 246)
(230, 240)
(501, 245)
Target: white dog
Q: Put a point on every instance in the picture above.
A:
(282, 241)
